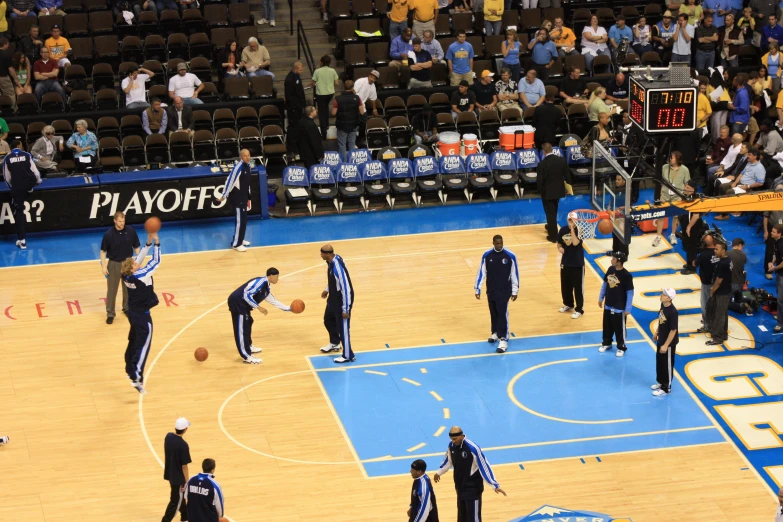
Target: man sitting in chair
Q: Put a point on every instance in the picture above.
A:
(752, 177)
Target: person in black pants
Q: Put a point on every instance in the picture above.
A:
(720, 295)
(553, 173)
(666, 338)
(324, 80)
(339, 305)
(616, 299)
(237, 191)
(499, 267)
(176, 458)
(691, 231)
(572, 268)
(295, 100)
(21, 175)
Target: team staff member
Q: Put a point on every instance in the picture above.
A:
(339, 303)
(720, 295)
(553, 173)
(21, 175)
(572, 268)
(499, 267)
(141, 299)
(244, 300)
(706, 262)
(423, 506)
(616, 299)
(471, 469)
(176, 457)
(692, 230)
(204, 496)
(119, 243)
(666, 338)
(776, 267)
(237, 191)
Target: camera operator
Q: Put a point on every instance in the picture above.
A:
(692, 230)
(771, 218)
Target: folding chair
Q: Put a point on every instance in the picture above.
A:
(479, 176)
(296, 188)
(376, 182)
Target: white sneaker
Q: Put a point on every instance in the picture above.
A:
(240, 248)
(330, 348)
(272, 23)
(620, 353)
(604, 348)
(139, 387)
(341, 360)
(659, 392)
(262, 21)
(493, 338)
(253, 360)
(22, 244)
(4, 440)
(564, 309)
(326, 17)
(576, 315)
(655, 386)
(502, 346)
(673, 239)
(245, 243)
(656, 241)
(255, 349)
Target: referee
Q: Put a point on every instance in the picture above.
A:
(119, 243)
(616, 299)
(499, 268)
(244, 300)
(204, 496)
(21, 175)
(471, 469)
(339, 303)
(423, 507)
(572, 268)
(176, 457)
(666, 338)
(237, 191)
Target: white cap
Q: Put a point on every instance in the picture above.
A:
(670, 292)
(573, 215)
(181, 424)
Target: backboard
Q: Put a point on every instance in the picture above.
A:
(610, 187)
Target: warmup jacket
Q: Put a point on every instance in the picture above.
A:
(141, 291)
(501, 273)
(204, 497)
(238, 185)
(471, 469)
(248, 296)
(20, 172)
(423, 505)
(339, 285)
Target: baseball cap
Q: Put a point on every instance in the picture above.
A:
(486, 73)
(182, 67)
(464, 83)
(670, 292)
(375, 73)
(55, 26)
(620, 256)
(573, 215)
(181, 423)
(417, 40)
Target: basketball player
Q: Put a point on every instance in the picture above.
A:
(339, 303)
(616, 299)
(237, 191)
(572, 268)
(471, 469)
(21, 175)
(141, 299)
(499, 267)
(666, 338)
(423, 507)
(244, 300)
(204, 496)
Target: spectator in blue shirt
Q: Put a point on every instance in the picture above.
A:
(753, 176)
(50, 7)
(771, 32)
(544, 53)
(460, 59)
(736, 8)
(531, 91)
(718, 9)
(400, 47)
(739, 107)
(617, 33)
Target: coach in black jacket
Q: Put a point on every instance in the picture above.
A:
(553, 173)
(545, 119)
(311, 148)
(295, 100)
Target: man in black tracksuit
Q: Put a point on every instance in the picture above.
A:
(21, 175)
(616, 299)
(666, 338)
(424, 507)
(237, 191)
(572, 268)
(499, 267)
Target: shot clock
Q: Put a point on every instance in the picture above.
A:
(660, 107)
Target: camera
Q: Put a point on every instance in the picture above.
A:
(717, 236)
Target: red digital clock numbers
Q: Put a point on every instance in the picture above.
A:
(637, 111)
(673, 118)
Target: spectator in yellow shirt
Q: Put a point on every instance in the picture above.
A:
(564, 38)
(493, 14)
(398, 17)
(703, 107)
(424, 16)
(59, 46)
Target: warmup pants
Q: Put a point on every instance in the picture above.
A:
(115, 279)
(550, 210)
(718, 317)
(339, 328)
(176, 503)
(139, 343)
(18, 198)
(469, 510)
(243, 329)
(572, 281)
(498, 315)
(241, 225)
(614, 324)
(664, 367)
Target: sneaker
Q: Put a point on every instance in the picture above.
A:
(713, 342)
(673, 239)
(604, 347)
(502, 346)
(703, 329)
(139, 387)
(245, 243)
(576, 315)
(240, 248)
(330, 348)
(687, 271)
(255, 349)
(655, 386)
(660, 392)
(4, 440)
(778, 329)
(272, 23)
(262, 21)
(109, 320)
(23, 245)
(253, 360)
(656, 241)
(768, 276)
(326, 17)
(565, 309)
(341, 360)
(620, 353)
(494, 337)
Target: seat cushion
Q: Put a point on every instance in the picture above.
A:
(506, 178)
(353, 191)
(324, 192)
(293, 199)
(376, 189)
(454, 182)
(403, 187)
(481, 182)
(429, 184)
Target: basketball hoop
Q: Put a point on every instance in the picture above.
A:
(587, 221)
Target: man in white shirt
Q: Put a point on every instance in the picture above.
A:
(186, 86)
(716, 171)
(365, 89)
(683, 34)
(134, 87)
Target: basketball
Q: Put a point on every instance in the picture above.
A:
(605, 226)
(152, 225)
(201, 354)
(297, 306)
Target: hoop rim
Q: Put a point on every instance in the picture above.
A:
(588, 215)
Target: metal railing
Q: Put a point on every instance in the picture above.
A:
(303, 46)
(291, 14)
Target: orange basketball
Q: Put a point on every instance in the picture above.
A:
(201, 354)
(152, 225)
(297, 306)
(605, 226)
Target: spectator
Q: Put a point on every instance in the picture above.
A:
(45, 72)
(599, 133)
(706, 42)
(771, 218)
(4, 130)
(7, 73)
(506, 89)
(134, 87)
(188, 4)
(46, 149)
(59, 47)
(463, 99)
(256, 57)
(3, 19)
(618, 34)
(703, 109)
(432, 46)
(736, 7)
(486, 95)
(325, 79)
(642, 37)
(771, 32)
(730, 38)
(716, 169)
(545, 120)
(143, 5)
(269, 12)
(662, 35)
(21, 8)
(398, 17)
(166, 4)
(154, 119)
(30, 44)
(764, 83)
(460, 58)
(544, 53)
(674, 5)
(740, 106)
(400, 47)
(752, 177)
(694, 11)
(617, 88)
(179, 117)
(461, 6)
(420, 69)
(594, 39)
(531, 91)
(84, 145)
(762, 9)
(311, 148)
(564, 39)
(425, 12)
(231, 61)
(573, 88)
(748, 24)
(716, 9)
(676, 175)
(773, 68)
(425, 126)
(348, 108)
(23, 75)
(295, 100)
(365, 90)
(769, 140)
(50, 7)
(597, 103)
(719, 148)
(185, 85)
(683, 34)
(493, 15)
(325, 10)
(510, 49)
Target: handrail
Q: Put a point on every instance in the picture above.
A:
(303, 45)
(291, 13)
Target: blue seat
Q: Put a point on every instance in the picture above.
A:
(332, 159)
(323, 186)
(427, 176)
(296, 185)
(359, 156)
(401, 179)
(349, 185)
(504, 171)
(376, 182)
(527, 162)
(480, 175)
(454, 176)
(580, 165)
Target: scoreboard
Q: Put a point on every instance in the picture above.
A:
(658, 108)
